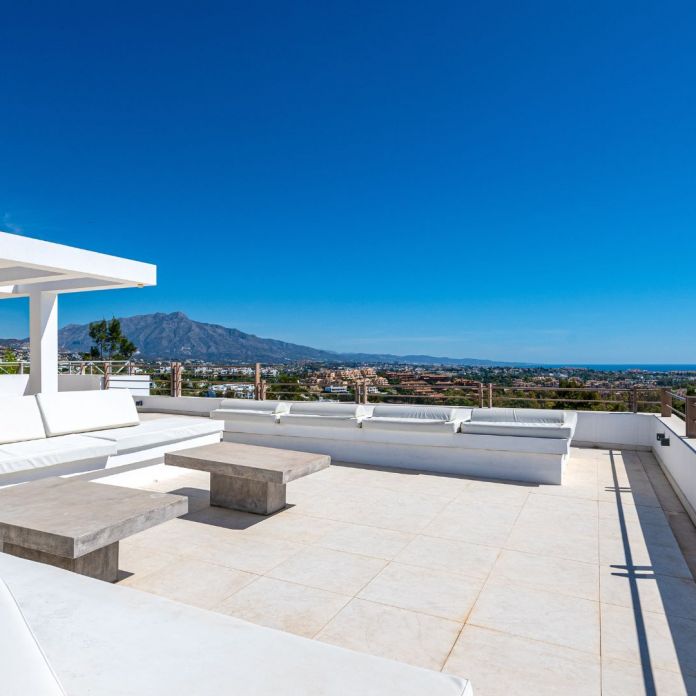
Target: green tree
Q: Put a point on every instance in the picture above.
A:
(109, 341)
(9, 357)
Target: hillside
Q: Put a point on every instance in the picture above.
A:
(176, 336)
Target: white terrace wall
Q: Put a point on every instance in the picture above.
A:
(16, 385)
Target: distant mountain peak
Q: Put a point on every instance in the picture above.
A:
(173, 335)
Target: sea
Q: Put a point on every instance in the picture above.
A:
(638, 366)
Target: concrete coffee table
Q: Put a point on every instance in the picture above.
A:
(246, 477)
(76, 525)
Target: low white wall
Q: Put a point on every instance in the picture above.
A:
(13, 385)
(678, 461)
(608, 429)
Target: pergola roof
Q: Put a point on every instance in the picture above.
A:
(32, 265)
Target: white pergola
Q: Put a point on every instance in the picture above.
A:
(43, 270)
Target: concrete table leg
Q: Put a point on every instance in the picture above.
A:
(101, 564)
(246, 494)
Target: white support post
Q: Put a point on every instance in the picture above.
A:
(43, 342)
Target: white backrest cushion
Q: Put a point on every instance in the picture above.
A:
(25, 669)
(443, 413)
(517, 415)
(81, 411)
(254, 405)
(326, 408)
(20, 419)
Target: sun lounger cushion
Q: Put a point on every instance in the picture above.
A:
(109, 640)
(20, 419)
(52, 451)
(25, 669)
(83, 411)
(323, 409)
(157, 432)
(521, 423)
(414, 412)
(253, 406)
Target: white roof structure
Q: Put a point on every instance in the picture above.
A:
(41, 271)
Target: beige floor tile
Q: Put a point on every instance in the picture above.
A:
(366, 541)
(622, 678)
(194, 582)
(656, 558)
(253, 555)
(548, 573)
(293, 527)
(391, 632)
(424, 590)
(499, 664)
(668, 641)
(479, 523)
(662, 594)
(547, 616)
(450, 555)
(555, 535)
(326, 569)
(283, 605)
(610, 509)
(134, 562)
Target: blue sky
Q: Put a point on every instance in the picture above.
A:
(500, 180)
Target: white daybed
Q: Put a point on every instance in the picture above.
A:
(111, 640)
(75, 432)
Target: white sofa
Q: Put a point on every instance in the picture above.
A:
(75, 432)
(116, 641)
(518, 444)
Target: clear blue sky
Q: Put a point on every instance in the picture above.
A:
(501, 180)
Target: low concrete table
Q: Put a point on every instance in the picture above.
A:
(76, 525)
(246, 477)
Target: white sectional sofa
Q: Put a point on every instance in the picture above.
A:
(75, 432)
(518, 444)
(108, 640)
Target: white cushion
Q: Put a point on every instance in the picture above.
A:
(157, 432)
(416, 411)
(20, 419)
(110, 640)
(82, 411)
(552, 430)
(518, 415)
(254, 406)
(410, 425)
(25, 669)
(330, 410)
(52, 451)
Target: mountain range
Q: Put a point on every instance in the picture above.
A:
(176, 336)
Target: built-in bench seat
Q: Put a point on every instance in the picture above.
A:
(75, 432)
(111, 640)
(520, 444)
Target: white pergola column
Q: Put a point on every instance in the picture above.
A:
(43, 342)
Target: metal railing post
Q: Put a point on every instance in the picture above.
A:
(665, 402)
(490, 395)
(357, 388)
(257, 381)
(175, 372)
(634, 399)
(262, 390)
(106, 381)
(691, 416)
(480, 394)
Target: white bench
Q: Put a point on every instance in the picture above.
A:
(74, 432)
(116, 641)
(517, 444)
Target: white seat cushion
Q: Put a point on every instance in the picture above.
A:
(83, 411)
(325, 409)
(521, 422)
(110, 640)
(410, 425)
(52, 451)
(157, 432)
(417, 412)
(254, 406)
(25, 669)
(20, 419)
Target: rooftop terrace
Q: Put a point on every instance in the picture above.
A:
(582, 588)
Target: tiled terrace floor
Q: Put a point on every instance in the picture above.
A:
(524, 589)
